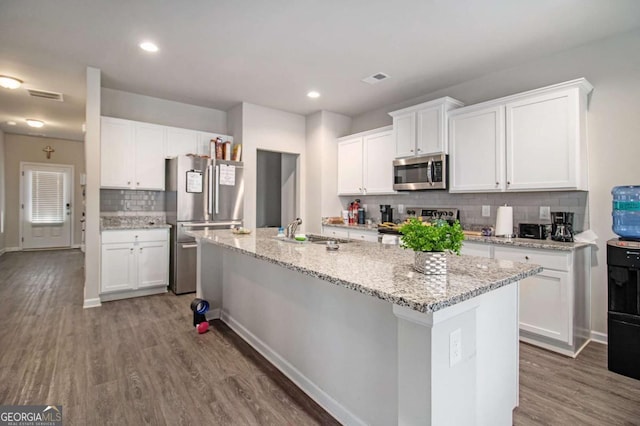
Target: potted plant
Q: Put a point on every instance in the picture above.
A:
(431, 242)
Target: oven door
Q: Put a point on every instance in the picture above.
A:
(419, 173)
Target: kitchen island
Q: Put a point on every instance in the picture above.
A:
(368, 338)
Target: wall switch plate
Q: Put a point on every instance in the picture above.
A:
(401, 208)
(455, 347)
(486, 211)
(545, 212)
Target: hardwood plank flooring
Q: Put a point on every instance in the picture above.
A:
(139, 361)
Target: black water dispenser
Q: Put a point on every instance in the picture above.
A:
(623, 264)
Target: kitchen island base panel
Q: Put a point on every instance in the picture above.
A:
(365, 360)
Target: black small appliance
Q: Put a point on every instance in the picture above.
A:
(535, 231)
(562, 226)
(386, 213)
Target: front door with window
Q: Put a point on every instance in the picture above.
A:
(46, 205)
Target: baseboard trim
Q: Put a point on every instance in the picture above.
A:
(3, 251)
(9, 249)
(92, 303)
(128, 294)
(337, 410)
(599, 337)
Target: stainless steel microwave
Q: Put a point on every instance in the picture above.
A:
(420, 173)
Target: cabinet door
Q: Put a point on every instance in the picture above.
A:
(181, 142)
(544, 304)
(476, 151)
(378, 163)
(476, 249)
(431, 138)
(335, 232)
(149, 156)
(117, 267)
(153, 263)
(404, 130)
(116, 153)
(542, 142)
(350, 166)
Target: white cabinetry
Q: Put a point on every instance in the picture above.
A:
(534, 141)
(352, 234)
(365, 163)
(181, 142)
(131, 155)
(422, 129)
(555, 304)
(134, 260)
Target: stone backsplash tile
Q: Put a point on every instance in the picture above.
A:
(126, 200)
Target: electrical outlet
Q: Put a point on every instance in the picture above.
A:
(401, 208)
(545, 212)
(455, 347)
(486, 211)
(364, 206)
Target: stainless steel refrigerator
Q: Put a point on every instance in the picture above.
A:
(200, 194)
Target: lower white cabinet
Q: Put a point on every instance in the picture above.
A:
(352, 234)
(134, 259)
(554, 304)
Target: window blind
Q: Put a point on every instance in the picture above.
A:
(47, 197)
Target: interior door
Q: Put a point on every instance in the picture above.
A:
(46, 205)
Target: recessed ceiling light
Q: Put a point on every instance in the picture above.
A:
(35, 123)
(11, 123)
(9, 82)
(313, 94)
(148, 46)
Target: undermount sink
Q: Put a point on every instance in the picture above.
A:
(314, 239)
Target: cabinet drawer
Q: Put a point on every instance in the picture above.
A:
(560, 261)
(335, 232)
(363, 236)
(133, 235)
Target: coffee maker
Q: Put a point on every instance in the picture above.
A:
(562, 226)
(386, 213)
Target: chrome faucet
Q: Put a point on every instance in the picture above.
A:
(292, 227)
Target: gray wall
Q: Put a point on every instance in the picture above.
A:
(131, 106)
(3, 217)
(268, 193)
(613, 67)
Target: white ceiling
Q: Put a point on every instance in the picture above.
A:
(219, 53)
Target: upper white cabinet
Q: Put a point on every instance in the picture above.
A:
(365, 163)
(534, 141)
(131, 155)
(422, 129)
(181, 142)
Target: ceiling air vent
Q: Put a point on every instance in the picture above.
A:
(46, 95)
(376, 78)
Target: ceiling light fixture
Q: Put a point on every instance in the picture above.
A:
(11, 123)
(148, 46)
(34, 123)
(9, 82)
(313, 94)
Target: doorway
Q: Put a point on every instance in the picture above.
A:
(276, 188)
(46, 197)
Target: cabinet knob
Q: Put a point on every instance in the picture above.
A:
(138, 183)
(128, 182)
(131, 250)
(410, 150)
(497, 183)
(508, 183)
(526, 257)
(419, 150)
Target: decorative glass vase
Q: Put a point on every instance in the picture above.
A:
(430, 262)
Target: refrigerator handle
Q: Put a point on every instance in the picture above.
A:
(217, 188)
(210, 181)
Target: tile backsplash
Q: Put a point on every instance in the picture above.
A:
(526, 205)
(127, 200)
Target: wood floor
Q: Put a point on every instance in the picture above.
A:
(139, 361)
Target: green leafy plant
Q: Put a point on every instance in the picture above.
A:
(436, 236)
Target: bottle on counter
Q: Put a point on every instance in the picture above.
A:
(360, 216)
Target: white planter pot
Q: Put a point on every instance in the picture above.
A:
(430, 262)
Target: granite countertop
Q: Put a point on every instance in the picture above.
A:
(110, 223)
(372, 228)
(527, 243)
(383, 271)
